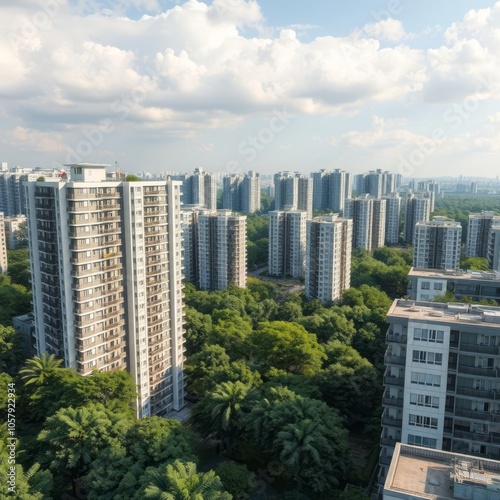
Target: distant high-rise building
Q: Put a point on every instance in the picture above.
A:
(417, 209)
(392, 218)
(11, 225)
(368, 216)
(293, 191)
(241, 192)
(331, 189)
(221, 250)
(12, 190)
(377, 183)
(478, 233)
(199, 188)
(106, 275)
(3, 246)
(437, 244)
(328, 257)
(189, 218)
(494, 248)
(287, 243)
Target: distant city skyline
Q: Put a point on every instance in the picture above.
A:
(235, 85)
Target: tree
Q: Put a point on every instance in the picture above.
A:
(180, 480)
(14, 300)
(21, 235)
(286, 346)
(231, 332)
(13, 350)
(73, 438)
(474, 263)
(201, 367)
(236, 479)
(198, 328)
(155, 440)
(299, 444)
(221, 411)
(38, 369)
(132, 178)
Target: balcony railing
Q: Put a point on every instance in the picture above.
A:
(483, 349)
(393, 380)
(476, 370)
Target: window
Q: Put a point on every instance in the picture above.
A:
(425, 379)
(422, 441)
(423, 421)
(438, 286)
(425, 335)
(424, 400)
(426, 285)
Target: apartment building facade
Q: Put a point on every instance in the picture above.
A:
(293, 191)
(478, 233)
(107, 279)
(328, 257)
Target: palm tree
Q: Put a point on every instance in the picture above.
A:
(37, 370)
(221, 409)
(300, 445)
(180, 481)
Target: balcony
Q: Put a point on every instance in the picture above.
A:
(395, 360)
(388, 401)
(476, 370)
(400, 339)
(482, 349)
(475, 393)
(472, 414)
(392, 421)
(394, 380)
(388, 441)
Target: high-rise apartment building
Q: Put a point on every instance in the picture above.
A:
(417, 209)
(199, 188)
(437, 244)
(368, 216)
(189, 217)
(331, 189)
(494, 248)
(392, 218)
(293, 191)
(478, 233)
(12, 190)
(3, 246)
(377, 183)
(328, 257)
(11, 225)
(441, 379)
(107, 279)
(287, 243)
(241, 192)
(221, 250)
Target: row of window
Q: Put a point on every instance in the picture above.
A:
(422, 441)
(424, 400)
(431, 358)
(423, 421)
(425, 379)
(428, 335)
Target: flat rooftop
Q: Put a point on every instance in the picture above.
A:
(417, 472)
(455, 275)
(453, 312)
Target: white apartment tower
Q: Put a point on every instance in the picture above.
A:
(199, 188)
(287, 243)
(189, 217)
(328, 257)
(417, 209)
(107, 279)
(441, 379)
(437, 244)
(368, 216)
(478, 233)
(241, 192)
(331, 189)
(293, 191)
(222, 257)
(3, 246)
(392, 218)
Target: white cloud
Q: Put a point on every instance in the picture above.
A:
(36, 140)
(388, 29)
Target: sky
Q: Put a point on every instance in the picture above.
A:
(407, 86)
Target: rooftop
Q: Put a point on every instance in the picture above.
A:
(458, 274)
(453, 312)
(417, 472)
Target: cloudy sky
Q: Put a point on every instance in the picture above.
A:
(231, 85)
